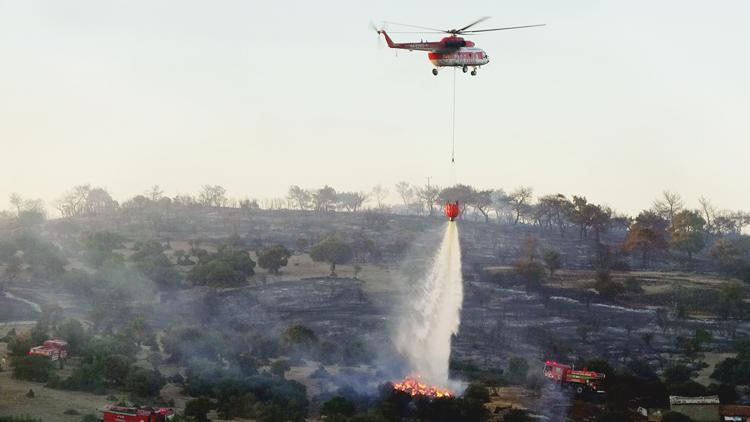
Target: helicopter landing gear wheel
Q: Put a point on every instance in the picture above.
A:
(465, 69)
(474, 72)
(435, 71)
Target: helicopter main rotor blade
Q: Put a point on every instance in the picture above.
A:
(415, 32)
(482, 19)
(476, 31)
(416, 26)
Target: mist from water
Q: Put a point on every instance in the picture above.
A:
(425, 329)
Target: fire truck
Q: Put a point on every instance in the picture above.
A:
(112, 413)
(55, 349)
(580, 381)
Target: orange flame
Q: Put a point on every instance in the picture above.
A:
(414, 387)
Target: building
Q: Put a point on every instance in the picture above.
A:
(734, 413)
(699, 409)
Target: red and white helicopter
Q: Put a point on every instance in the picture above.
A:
(451, 51)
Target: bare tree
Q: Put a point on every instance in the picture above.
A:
(482, 201)
(741, 219)
(16, 200)
(155, 193)
(708, 213)
(379, 193)
(73, 202)
(669, 205)
(501, 205)
(212, 196)
(520, 200)
(554, 209)
(406, 191)
(428, 196)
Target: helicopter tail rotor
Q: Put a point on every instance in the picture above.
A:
(379, 31)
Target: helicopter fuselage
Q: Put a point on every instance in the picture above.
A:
(464, 56)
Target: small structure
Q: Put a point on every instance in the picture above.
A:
(734, 413)
(699, 409)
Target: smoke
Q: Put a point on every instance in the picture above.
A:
(432, 313)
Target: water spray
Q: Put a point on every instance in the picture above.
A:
(424, 333)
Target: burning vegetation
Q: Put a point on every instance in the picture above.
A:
(414, 387)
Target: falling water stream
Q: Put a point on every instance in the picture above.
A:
(424, 333)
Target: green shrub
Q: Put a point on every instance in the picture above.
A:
(32, 368)
(144, 382)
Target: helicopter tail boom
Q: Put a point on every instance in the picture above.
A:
(424, 46)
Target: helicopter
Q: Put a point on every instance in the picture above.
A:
(451, 51)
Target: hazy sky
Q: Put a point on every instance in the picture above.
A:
(615, 100)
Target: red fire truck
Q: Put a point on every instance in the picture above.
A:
(580, 381)
(55, 349)
(112, 413)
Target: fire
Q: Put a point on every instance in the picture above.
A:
(414, 387)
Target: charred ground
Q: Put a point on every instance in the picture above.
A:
(173, 298)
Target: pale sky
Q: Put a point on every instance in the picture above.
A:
(614, 100)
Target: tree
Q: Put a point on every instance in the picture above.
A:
(530, 271)
(73, 332)
(606, 287)
(197, 409)
(144, 382)
(279, 367)
(579, 214)
(733, 256)
(115, 369)
(32, 368)
(274, 257)
(482, 201)
(406, 192)
(324, 199)
(155, 193)
(338, 407)
(301, 197)
(333, 251)
(212, 196)
(99, 202)
(380, 193)
(16, 200)
(731, 300)
(669, 205)
(553, 260)
(351, 201)
(518, 367)
(555, 208)
(520, 200)
(501, 205)
(72, 203)
(428, 195)
(708, 213)
(599, 220)
(646, 235)
(686, 232)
